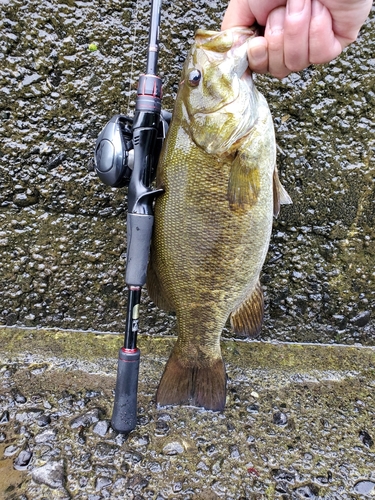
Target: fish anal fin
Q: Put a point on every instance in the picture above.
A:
(280, 196)
(247, 319)
(196, 384)
(244, 182)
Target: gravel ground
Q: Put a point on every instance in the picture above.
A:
(299, 423)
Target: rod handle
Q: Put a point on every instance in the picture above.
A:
(124, 416)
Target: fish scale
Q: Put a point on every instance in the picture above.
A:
(213, 221)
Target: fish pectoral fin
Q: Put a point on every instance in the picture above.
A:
(244, 182)
(280, 196)
(195, 383)
(247, 319)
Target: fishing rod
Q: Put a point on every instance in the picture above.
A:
(126, 153)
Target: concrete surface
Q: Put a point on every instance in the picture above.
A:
(63, 233)
(299, 423)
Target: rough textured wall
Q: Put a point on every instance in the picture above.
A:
(62, 233)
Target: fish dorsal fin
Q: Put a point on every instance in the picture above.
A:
(280, 196)
(247, 319)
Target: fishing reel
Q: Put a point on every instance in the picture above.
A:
(114, 150)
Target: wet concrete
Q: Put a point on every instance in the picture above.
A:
(299, 423)
(62, 233)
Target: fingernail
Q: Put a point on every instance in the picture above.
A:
(316, 8)
(258, 53)
(276, 20)
(295, 6)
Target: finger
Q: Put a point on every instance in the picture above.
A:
(257, 54)
(238, 13)
(274, 34)
(323, 45)
(296, 34)
(247, 12)
(347, 18)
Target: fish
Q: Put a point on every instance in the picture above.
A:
(213, 222)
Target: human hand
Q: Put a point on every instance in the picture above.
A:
(297, 32)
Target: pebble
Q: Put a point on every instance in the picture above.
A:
(101, 427)
(51, 474)
(234, 451)
(45, 436)
(155, 467)
(11, 450)
(173, 448)
(44, 420)
(25, 199)
(253, 408)
(105, 450)
(139, 440)
(279, 418)
(102, 482)
(86, 419)
(365, 487)
(137, 482)
(20, 398)
(132, 457)
(28, 415)
(361, 319)
(177, 487)
(161, 428)
(4, 417)
(23, 460)
(366, 439)
(308, 491)
(283, 475)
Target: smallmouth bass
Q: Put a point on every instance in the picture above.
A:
(213, 222)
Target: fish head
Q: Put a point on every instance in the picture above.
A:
(217, 90)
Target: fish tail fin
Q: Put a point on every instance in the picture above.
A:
(193, 383)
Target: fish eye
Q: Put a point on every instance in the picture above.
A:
(194, 77)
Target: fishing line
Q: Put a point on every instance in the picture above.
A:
(132, 61)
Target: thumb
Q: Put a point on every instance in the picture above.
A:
(257, 54)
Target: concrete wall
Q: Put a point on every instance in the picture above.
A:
(62, 233)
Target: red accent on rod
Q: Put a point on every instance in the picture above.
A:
(129, 351)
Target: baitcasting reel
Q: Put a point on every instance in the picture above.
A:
(114, 150)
